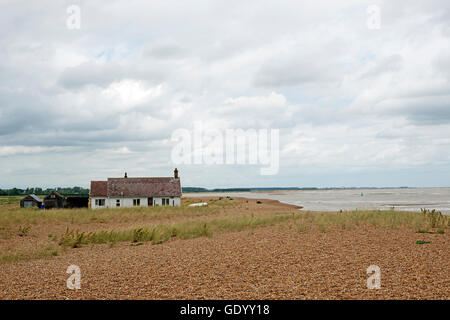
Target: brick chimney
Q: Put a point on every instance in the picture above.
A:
(175, 173)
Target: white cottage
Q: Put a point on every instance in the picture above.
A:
(136, 192)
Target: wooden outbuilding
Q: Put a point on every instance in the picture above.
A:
(30, 201)
(77, 202)
(56, 200)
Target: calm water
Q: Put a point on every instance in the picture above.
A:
(332, 200)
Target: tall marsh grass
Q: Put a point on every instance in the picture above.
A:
(304, 221)
(32, 216)
(378, 218)
(160, 233)
(43, 251)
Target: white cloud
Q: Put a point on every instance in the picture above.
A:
(347, 99)
(129, 93)
(15, 150)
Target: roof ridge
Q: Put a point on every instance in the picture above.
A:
(141, 178)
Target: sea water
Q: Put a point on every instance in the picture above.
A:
(407, 199)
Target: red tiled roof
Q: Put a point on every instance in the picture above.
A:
(143, 187)
(136, 187)
(99, 189)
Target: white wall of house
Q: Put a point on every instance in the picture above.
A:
(131, 202)
(94, 204)
(126, 202)
(172, 201)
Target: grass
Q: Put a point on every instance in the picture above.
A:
(301, 226)
(435, 218)
(43, 252)
(304, 221)
(378, 218)
(12, 217)
(23, 231)
(5, 232)
(10, 200)
(439, 231)
(160, 233)
(91, 227)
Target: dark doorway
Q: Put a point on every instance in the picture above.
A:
(150, 202)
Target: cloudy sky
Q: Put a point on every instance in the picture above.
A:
(355, 105)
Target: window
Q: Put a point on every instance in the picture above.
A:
(118, 203)
(136, 202)
(100, 202)
(28, 204)
(165, 201)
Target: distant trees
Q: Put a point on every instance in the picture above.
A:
(67, 191)
(194, 189)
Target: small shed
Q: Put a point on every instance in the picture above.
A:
(30, 201)
(54, 200)
(76, 202)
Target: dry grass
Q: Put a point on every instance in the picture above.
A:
(32, 234)
(426, 220)
(25, 231)
(161, 233)
(233, 248)
(41, 252)
(20, 216)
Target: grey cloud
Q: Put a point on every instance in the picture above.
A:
(430, 114)
(20, 111)
(291, 72)
(431, 110)
(384, 65)
(91, 74)
(103, 75)
(302, 63)
(441, 65)
(165, 51)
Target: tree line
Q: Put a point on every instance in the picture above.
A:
(67, 191)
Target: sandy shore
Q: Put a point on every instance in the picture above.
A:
(269, 262)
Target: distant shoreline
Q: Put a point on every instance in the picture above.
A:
(269, 189)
